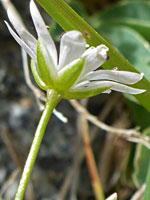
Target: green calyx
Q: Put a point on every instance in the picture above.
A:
(66, 78)
(43, 69)
(84, 94)
(69, 75)
(37, 78)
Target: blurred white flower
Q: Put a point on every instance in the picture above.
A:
(76, 73)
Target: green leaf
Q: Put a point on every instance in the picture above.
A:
(147, 190)
(70, 20)
(137, 110)
(56, 30)
(79, 8)
(129, 167)
(134, 14)
(70, 75)
(141, 162)
(130, 44)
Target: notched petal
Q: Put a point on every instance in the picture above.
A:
(42, 32)
(72, 46)
(118, 76)
(21, 30)
(94, 58)
(126, 89)
(21, 43)
(87, 86)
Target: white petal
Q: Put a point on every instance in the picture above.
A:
(22, 32)
(87, 86)
(22, 43)
(80, 85)
(43, 33)
(112, 197)
(118, 76)
(126, 89)
(107, 91)
(95, 57)
(72, 46)
(48, 59)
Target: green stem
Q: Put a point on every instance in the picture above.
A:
(147, 190)
(53, 99)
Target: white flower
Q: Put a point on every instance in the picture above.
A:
(75, 75)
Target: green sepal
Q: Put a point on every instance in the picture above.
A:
(37, 78)
(84, 94)
(43, 69)
(70, 75)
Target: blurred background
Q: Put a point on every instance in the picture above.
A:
(61, 171)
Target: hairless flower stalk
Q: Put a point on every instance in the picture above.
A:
(75, 75)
